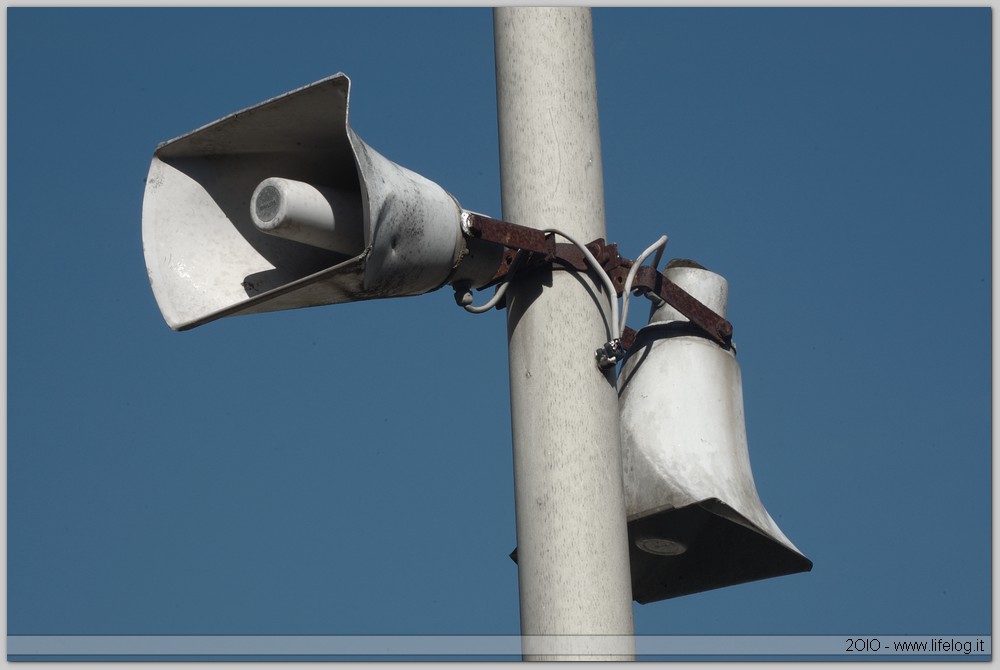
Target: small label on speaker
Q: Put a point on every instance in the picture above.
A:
(267, 203)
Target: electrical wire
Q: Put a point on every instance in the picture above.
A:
(608, 284)
(658, 246)
(501, 290)
(489, 304)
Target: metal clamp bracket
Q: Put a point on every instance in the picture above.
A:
(649, 281)
(543, 249)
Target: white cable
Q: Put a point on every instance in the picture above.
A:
(489, 304)
(501, 290)
(658, 247)
(608, 284)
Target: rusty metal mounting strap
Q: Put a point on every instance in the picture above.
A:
(543, 248)
(510, 235)
(648, 280)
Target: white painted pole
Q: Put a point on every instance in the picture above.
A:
(572, 544)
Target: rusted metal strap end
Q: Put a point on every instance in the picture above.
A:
(510, 235)
(628, 338)
(648, 280)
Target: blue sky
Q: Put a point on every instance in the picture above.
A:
(347, 469)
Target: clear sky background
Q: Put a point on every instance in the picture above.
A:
(347, 469)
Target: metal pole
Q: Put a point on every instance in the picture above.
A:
(572, 546)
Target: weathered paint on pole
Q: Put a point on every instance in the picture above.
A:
(571, 533)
